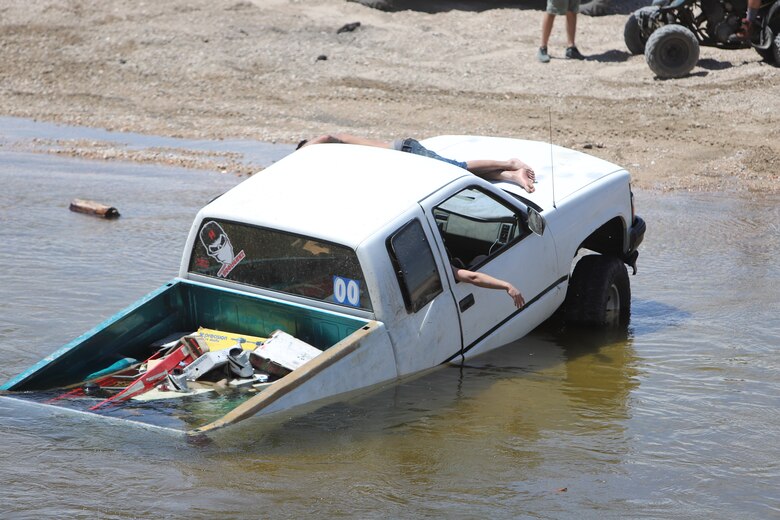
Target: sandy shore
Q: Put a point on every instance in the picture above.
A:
(277, 70)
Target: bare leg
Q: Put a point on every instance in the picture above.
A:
(547, 25)
(348, 139)
(571, 26)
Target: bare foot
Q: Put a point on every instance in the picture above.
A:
(521, 174)
(517, 164)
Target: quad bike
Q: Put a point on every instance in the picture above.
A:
(669, 32)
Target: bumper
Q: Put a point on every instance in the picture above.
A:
(636, 235)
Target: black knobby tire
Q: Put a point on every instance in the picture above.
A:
(632, 32)
(767, 54)
(776, 49)
(672, 51)
(632, 35)
(599, 293)
(771, 54)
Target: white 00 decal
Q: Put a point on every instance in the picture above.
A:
(346, 291)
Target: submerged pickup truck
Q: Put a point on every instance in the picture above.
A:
(349, 249)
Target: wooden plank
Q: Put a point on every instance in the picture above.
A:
(91, 207)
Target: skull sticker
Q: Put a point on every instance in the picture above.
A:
(219, 247)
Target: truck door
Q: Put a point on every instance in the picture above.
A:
(481, 231)
(425, 331)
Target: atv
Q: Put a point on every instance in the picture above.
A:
(669, 32)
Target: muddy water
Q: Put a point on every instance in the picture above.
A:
(677, 420)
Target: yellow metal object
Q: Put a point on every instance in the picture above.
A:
(220, 340)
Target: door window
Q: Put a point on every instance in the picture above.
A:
(414, 265)
(476, 227)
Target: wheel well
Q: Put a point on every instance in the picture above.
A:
(608, 239)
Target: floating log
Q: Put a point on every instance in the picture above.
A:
(93, 208)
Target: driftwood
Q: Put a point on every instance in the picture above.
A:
(91, 207)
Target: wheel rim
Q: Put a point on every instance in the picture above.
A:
(674, 53)
(612, 308)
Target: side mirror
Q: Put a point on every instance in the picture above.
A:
(535, 221)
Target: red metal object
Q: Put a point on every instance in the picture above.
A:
(181, 356)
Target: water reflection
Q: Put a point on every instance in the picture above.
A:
(488, 432)
(543, 382)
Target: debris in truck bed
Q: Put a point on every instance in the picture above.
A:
(188, 364)
(218, 340)
(282, 353)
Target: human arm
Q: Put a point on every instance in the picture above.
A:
(488, 282)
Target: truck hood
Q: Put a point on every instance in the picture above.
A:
(571, 170)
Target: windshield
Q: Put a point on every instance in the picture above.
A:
(279, 261)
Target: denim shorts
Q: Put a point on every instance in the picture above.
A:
(563, 6)
(410, 145)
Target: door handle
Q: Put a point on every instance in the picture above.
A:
(466, 302)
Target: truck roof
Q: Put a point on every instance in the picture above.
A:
(572, 170)
(344, 193)
(336, 192)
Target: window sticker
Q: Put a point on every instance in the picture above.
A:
(219, 247)
(346, 291)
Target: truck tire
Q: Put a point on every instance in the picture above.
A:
(599, 293)
(672, 51)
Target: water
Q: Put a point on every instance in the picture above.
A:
(677, 420)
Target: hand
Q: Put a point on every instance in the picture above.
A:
(515, 295)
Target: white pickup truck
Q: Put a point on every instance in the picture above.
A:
(350, 249)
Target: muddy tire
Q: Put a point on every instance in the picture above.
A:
(599, 293)
(768, 55)
(632, 33)
(776, 49)
(672, 51)
(771, 54)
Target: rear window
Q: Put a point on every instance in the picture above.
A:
(279, 261)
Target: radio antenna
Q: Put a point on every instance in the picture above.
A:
(552, 168)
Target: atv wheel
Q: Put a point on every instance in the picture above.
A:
(776, 49)
(599, 293)
(632, 32)
(767, 54)
(672, 51)
(770, 54)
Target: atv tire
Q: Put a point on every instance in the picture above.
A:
(599, 293)
(632, 32)
(771, 54)
(776, 49)
(672, 51)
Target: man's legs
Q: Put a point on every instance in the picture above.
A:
(348, 139)
(571, 30)
(571, 27)
(547, 24)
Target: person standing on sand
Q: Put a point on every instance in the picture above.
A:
(511, 170)
(570, 8)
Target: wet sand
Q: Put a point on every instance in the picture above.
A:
(278, 71)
